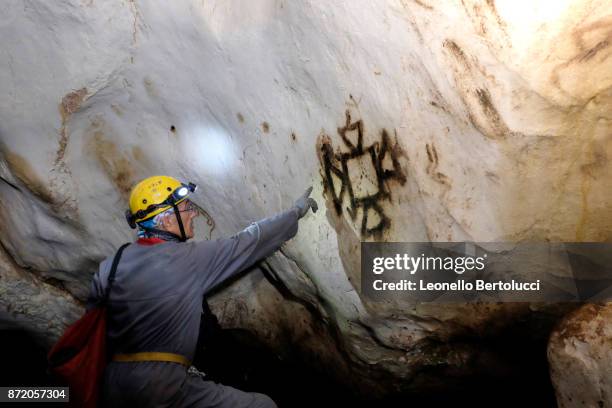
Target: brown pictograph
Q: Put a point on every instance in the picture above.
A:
(432, 167)
(383, 157)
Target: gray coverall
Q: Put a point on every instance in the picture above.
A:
(155, 305)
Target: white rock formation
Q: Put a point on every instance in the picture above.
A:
(580, 352)
(496, 119)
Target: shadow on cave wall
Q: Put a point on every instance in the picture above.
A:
(24, 363)
(238, 359)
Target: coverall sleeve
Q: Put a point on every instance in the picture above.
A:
(95, 289)
(227, 257)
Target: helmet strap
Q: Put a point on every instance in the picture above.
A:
(180, 222)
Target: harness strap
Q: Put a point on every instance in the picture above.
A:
(153, 356)
(113, 271)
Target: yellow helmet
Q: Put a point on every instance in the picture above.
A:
(154, 195)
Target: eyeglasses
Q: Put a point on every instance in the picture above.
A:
(189, 206)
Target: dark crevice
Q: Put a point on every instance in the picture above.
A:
(10, 184)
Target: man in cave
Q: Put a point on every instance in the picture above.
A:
(155, 300)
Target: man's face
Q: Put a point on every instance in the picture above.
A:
(188, 212)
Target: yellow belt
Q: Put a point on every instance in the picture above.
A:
(153, 356)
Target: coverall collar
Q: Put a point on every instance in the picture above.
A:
(149, 241)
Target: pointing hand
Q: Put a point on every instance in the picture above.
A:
(305, 202)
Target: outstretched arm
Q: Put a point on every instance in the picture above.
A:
(227, 257)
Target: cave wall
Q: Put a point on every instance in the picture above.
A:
(472, 120)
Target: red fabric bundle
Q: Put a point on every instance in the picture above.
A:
(79, 357)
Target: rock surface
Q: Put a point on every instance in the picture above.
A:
(580, 353)
(491, 117)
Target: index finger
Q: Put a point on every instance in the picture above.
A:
(307, 192)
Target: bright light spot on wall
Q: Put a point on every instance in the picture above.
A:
(211, 149)
(531, 11)
(532, 22)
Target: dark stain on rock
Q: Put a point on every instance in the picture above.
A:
(583, 38)
(435, 105)
(63, 143)
(430, 155)
(485, 101)
(432, 166)
(265, 126)
(492, 176)
(483, 14)
(424, 5)
(493, 8)
(336, 165)
(139, 155)
(71, 102)
(489, 110)
(456, 51)
(481, 111)
(23, 171)
(590, 53)
(240, 117)
(438, 102)
(116, 109)
(116, 165)
(598, 162)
